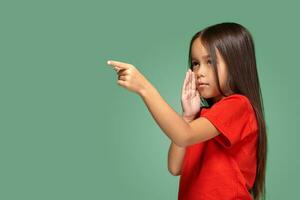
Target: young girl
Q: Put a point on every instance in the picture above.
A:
(218, 144)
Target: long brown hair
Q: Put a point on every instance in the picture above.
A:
(236, 46)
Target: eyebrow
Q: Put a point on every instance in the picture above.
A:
(205, 56)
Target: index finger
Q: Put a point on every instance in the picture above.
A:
(121, 65)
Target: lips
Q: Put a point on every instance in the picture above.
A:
(201, 83)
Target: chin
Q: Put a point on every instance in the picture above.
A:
(205, 95)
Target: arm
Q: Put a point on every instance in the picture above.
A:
(168, 120)
(177, 129)
(176, 156)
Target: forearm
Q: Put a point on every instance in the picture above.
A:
(176, 156)
(168, 120)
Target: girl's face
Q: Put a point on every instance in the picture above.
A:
(203, 70)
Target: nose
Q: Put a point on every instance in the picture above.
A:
(200, 72)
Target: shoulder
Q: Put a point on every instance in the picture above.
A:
(236, 103)
(235, 97)
(236, 100)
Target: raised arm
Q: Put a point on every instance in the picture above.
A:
(170, 122)
(178, 130)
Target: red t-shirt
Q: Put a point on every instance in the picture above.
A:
(223, 167)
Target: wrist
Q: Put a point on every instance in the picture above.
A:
(148, 88)
(188, 118)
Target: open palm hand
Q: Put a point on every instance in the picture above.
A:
(190, 97)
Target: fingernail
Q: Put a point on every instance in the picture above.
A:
(108, 62)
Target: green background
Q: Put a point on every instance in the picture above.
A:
(69, 131)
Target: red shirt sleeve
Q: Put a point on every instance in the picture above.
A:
(231, 116)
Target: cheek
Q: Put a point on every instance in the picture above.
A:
(222, 77)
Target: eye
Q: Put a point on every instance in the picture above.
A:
(209, 62)
(194, 63)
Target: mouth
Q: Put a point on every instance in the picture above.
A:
(201, 85)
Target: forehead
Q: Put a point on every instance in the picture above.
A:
(198, 51)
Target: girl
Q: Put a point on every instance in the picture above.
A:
(218, 144)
